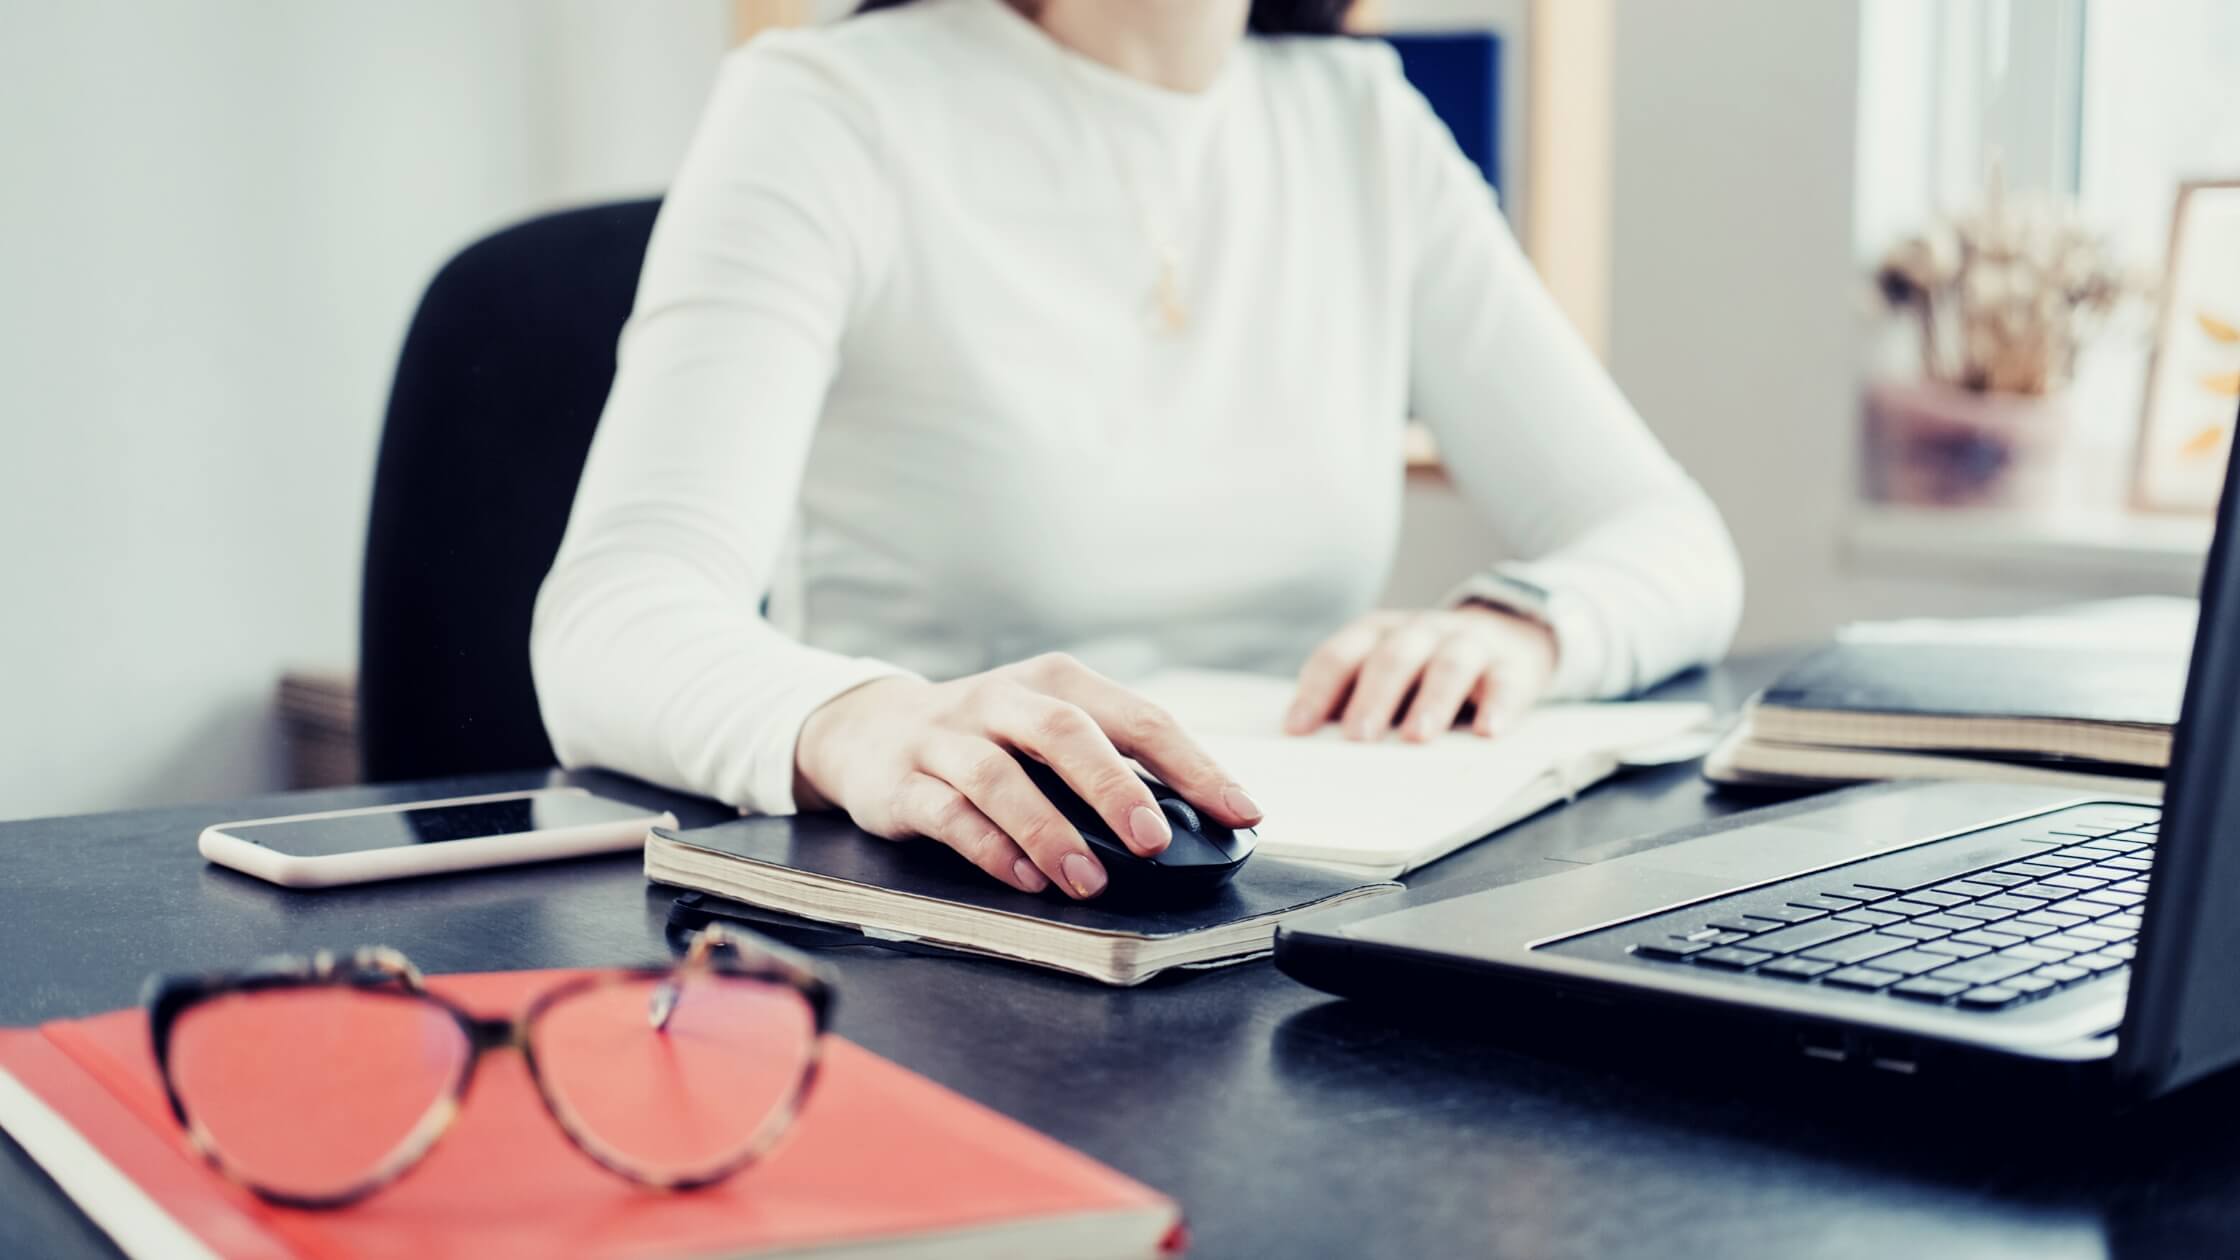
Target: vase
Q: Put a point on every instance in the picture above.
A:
(1934, 445)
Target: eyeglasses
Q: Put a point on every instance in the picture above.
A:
(316, 1082)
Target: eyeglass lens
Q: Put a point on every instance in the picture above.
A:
(311, 1090)
(676, 1085)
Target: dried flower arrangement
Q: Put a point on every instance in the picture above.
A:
(2006, 295)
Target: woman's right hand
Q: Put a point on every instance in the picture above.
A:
(907, 757)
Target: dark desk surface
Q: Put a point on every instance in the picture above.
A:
(1285, 1122)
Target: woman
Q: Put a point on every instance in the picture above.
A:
(988, 352)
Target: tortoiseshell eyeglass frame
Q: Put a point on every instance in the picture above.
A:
(717, 949)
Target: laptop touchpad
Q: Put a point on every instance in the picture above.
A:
(1749, 854)
(1863, 827)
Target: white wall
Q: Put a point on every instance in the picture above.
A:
(216, 222)
(1735, 313)
(1734, 305)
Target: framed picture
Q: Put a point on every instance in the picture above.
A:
(2193, 384)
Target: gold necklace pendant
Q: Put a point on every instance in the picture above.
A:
(1170, 307)
(1174, 311)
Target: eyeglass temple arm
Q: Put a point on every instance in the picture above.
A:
(700, 955)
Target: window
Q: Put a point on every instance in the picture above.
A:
(2111, 103)
(2161, 104)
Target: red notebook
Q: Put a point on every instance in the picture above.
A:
(881, 1163)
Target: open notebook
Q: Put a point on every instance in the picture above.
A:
(1383, 809)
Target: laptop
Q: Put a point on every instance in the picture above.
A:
(1943, 930)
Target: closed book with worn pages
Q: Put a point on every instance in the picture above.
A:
(820, 867)
(1742, 761)
(882, 1163)
(2107, 705)
(2086, 698)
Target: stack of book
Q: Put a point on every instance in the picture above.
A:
(2086, 699)
(319, 725)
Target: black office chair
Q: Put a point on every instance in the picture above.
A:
(498, 390)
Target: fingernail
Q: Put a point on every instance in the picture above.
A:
(1083, 875)
(1240, 804)
(1029, 878)
(1149, 828)
(1298, 721)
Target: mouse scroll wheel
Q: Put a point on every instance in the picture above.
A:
(1178, 812)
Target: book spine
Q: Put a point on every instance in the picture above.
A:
(149, 1196)
(136, 1223)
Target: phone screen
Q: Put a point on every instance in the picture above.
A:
(435, 824)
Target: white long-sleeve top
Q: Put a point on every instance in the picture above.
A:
(895, 396)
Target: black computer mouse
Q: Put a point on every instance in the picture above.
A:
(1202, 857)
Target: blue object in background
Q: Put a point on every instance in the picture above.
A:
(1460, 74)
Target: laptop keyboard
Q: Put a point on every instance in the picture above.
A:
(1983, 940)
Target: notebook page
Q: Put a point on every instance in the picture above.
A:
(1393, 804)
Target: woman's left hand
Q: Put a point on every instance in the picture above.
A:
(1416, 671)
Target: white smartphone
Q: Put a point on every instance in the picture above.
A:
(465, 833)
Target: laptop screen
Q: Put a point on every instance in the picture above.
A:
(2182, 1020)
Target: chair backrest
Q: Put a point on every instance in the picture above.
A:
(498, 390)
